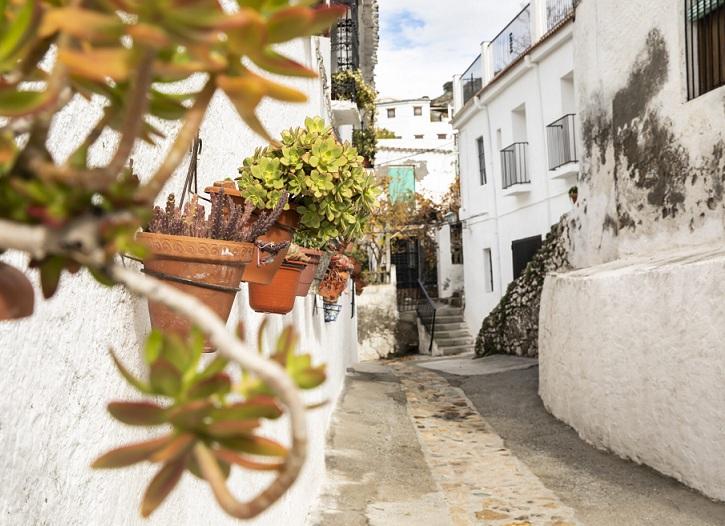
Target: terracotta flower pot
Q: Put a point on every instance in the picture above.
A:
(208, 269)
(282, 230)
(279, 296)
(17, 297)
(331, 291)
(308, 275)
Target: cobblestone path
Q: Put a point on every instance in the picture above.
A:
(482, 481)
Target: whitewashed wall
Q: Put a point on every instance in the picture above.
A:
(493, 217)
(450, 276)
(631, 356)
(58, 377)
(631, 351)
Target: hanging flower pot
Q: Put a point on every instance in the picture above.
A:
(208, 269)
(202, 256)
(262, 271)
(263, 267)
(308, 275)
(279, 296)
(17, 297)
(331, 290)
(331, 311)
(322, 267)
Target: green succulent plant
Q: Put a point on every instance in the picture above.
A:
(210, 418)
(332, 192)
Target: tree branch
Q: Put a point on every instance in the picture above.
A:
(192, 123)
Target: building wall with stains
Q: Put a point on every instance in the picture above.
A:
(653, 163)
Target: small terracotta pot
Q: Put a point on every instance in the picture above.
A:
(308, 275)
(17, 297)
(282, 230)
(208, 269)
(321, 271)
(279, 296)
(331, 292)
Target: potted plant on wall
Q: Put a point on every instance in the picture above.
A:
(334, 284)
(279, 296)
(330, 190)
(201, 255)
(270, 251)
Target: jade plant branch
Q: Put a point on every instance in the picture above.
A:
(79, 239)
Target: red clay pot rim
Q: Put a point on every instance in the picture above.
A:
(293, 265)
(219, 251)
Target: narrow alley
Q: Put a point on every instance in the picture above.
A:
(416, 441)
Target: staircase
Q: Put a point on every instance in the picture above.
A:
(451, 332)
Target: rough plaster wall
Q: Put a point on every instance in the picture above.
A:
(631, 356)
(653, 164)
(377, 311)
(58, 377)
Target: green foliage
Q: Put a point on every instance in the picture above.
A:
(204, 406)
(366, 143)
(382, 133)
(128, 53)
(350, 85)
(331, 190)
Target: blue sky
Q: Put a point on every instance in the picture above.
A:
(423, 43)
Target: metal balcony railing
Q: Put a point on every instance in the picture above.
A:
(513, 41)
(346, 39)
(515, 164)
(556, 11)
(561, 141)
(472, 80)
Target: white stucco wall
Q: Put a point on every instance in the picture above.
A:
(493, 218)
(629, 198)
(631, 351)
(450, 276)
(58, 377)
(377, 311)
(631, 356)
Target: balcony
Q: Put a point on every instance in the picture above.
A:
(557, 11)
(472, 80)
(513, 41)
(561, 143)
(515, 168)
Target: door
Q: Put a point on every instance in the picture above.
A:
(523, 251)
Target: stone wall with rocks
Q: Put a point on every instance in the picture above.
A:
(513, 326)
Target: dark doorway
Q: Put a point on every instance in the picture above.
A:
(404, 254)
(523, 251)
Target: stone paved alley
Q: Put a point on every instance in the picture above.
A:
(418, 442)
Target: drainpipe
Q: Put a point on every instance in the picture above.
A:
(481, 106)
(535, 65)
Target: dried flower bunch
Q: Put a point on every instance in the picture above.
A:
(227, 220)
(336, 276)
(212, 420)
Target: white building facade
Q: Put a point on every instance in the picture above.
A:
(514, 116)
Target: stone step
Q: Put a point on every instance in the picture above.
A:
(457, 333)
(454, 342)
(444, 327)
(450, 311)
(448, 351)
(449, 319)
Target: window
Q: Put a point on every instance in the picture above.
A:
(456, 244)
(418, 136)
(523, 251)
(487, 270)
(417, 111)
(442, 136)
(481, 160)
(391, 113)
(705, 45)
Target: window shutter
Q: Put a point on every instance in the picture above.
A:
(701, 8)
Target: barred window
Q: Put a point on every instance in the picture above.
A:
(705, 45)
(481, 160)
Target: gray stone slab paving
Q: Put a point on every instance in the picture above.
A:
(466, 365)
